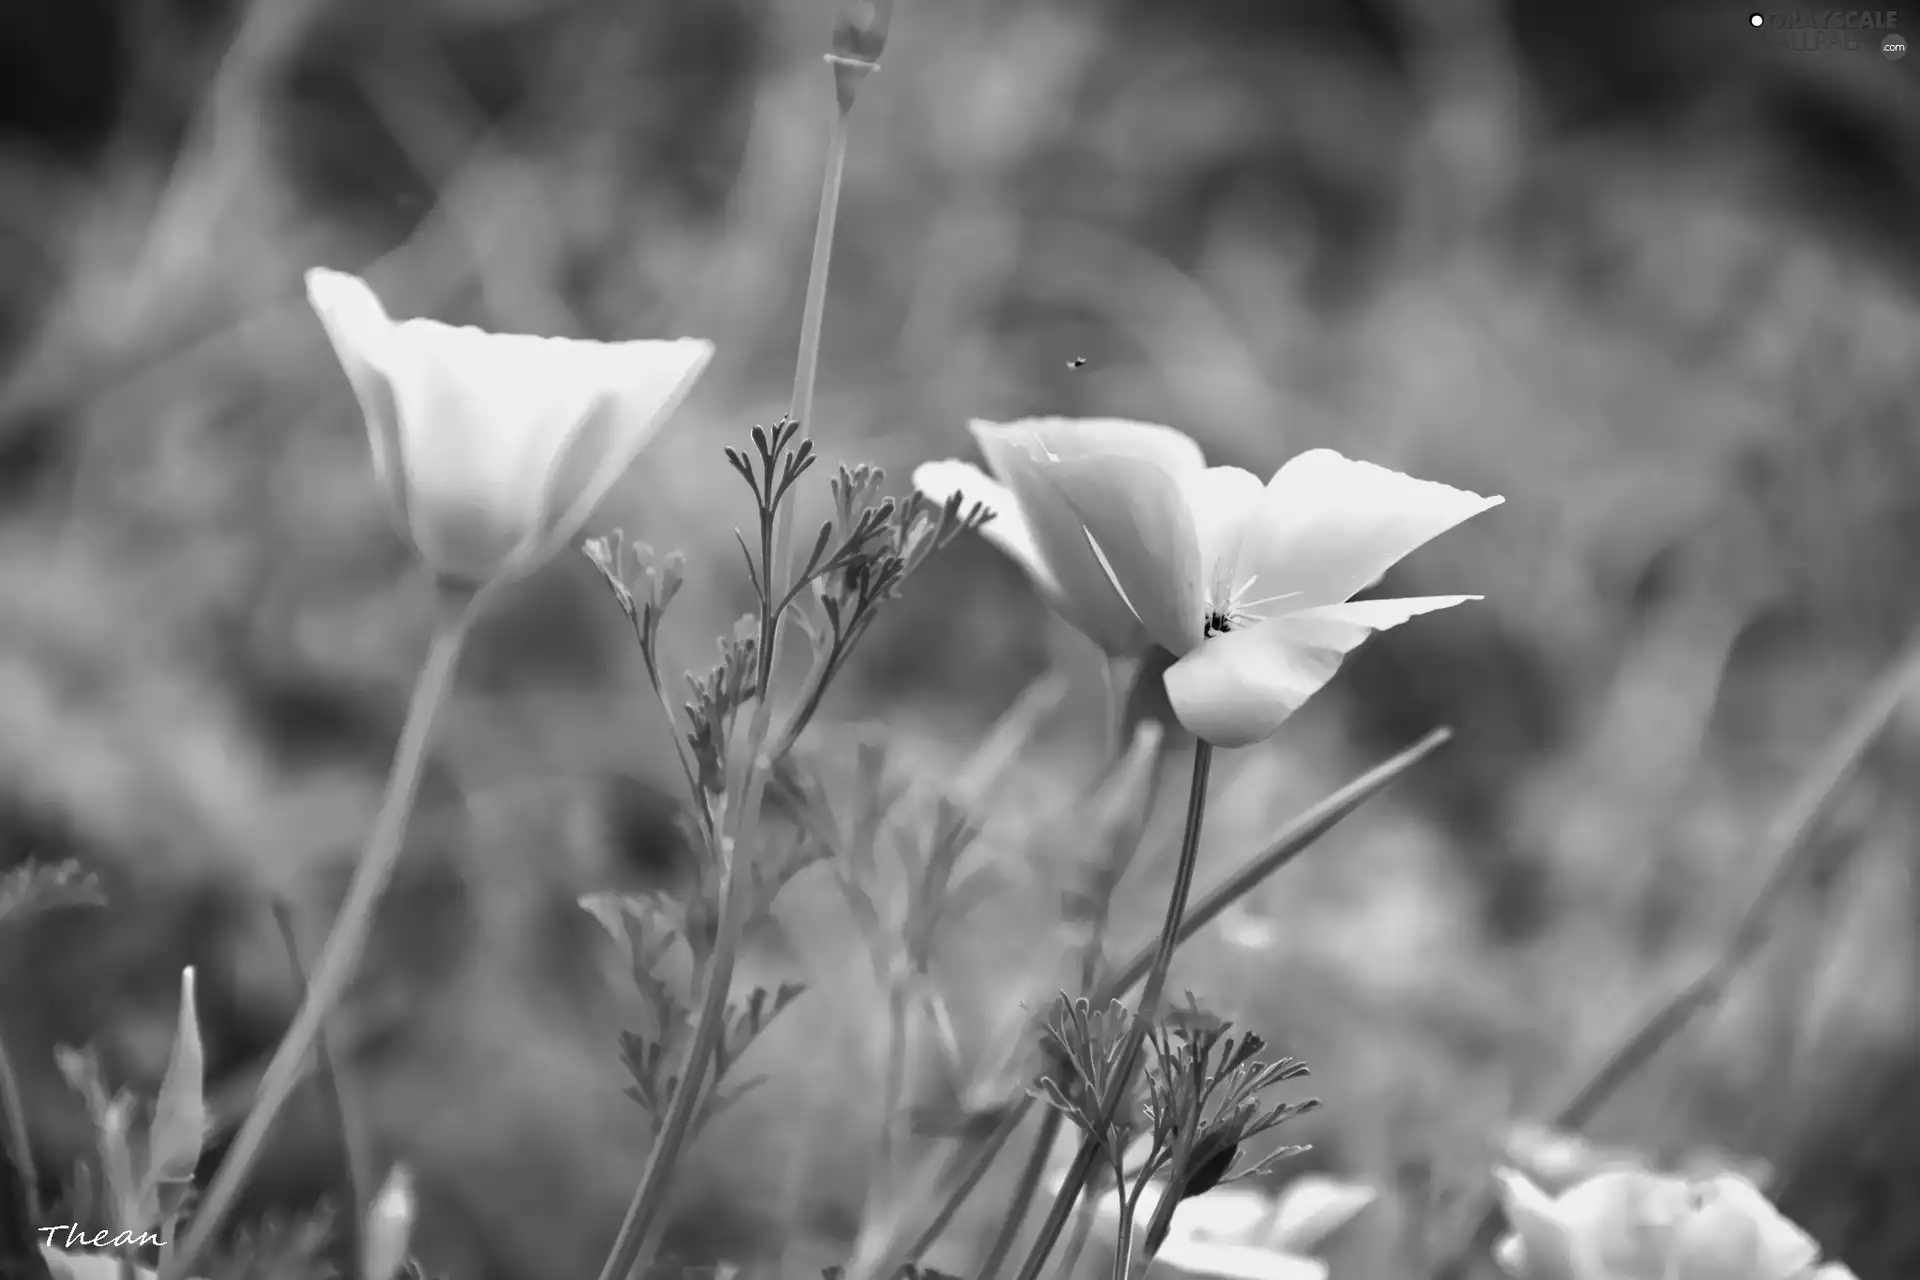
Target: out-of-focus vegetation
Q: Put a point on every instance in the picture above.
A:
(1633, 267)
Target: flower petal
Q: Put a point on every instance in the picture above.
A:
(1329, 526)
(648, 380)
(1223, 501)
(1008, 530)
(1136, 513)
(1237, 688)
(1068, 439)
(1225, 1215)
(1738, 1235)
(1623, 1222)
(1378, 615)
(362, 335)
(483, 422)
(1554, 1159)
(1540, 1247)
(1091, 601)
(1313, 1207)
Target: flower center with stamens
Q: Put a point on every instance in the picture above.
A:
(1228, 607)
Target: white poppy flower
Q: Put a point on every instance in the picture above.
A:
(1626, 1224)
(1249, 587)
(492, 449)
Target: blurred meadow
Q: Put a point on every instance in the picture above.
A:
(1647, 275)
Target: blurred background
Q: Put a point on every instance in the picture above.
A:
(1638, 267)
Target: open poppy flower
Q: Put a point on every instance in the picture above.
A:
(1248, 586)
(493, 448)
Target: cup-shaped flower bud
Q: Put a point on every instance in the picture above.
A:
(492, 449)
(180, 1121)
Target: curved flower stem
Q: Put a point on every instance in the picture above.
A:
(453, 617)
(1137, 1033)
(353, 1151)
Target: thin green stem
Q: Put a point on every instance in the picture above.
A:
(1083, 1220)
(327, 1078)
(807, 367)
(170, 1231)
(983, 1156)
(946, 1039)
(641, 1229)
(634, 1246)
(20, 1235)
(1136, 1034)
(13, 1139)
(893, 1085)
(1112, 728)
(340, 957)
(1023, 1190)
(1129, 1212)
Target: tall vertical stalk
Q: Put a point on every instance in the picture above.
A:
(641, 1229)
